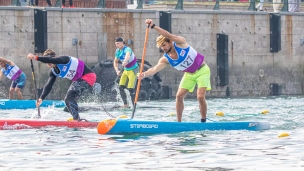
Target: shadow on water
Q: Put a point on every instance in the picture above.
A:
(129, 137)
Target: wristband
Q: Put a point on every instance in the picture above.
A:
(153, 25)
(36, 57)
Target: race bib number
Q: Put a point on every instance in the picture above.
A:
(187, 62)
(71, 73)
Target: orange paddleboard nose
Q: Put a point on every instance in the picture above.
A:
(105, 126)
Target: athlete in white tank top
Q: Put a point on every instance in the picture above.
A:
(13, 72)
(182, 57)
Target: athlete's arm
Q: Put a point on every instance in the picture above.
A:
(125, 62)
(50, 60)
(7, 61)
(54, 60)
(180, 41)
(160, 65)
(48, 86)
(115, 64)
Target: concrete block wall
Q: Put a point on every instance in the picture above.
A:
(251, 65)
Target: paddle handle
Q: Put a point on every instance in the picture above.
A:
(35, 85)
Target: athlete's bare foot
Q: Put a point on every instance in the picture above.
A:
(125, 107)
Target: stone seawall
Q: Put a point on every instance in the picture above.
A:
(252, 67)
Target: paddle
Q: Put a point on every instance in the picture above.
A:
(140, 71)
(36, 92)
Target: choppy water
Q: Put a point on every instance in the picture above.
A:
(83, 149)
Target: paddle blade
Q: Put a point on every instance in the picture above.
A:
(134, 108)
(35, 85)
(106, 125)
(39, 115)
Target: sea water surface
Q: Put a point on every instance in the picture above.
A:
(83, 149)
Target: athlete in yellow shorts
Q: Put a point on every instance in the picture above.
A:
(184, 58)
(128, 59)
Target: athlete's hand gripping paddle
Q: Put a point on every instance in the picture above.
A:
(140, 71)
(35, 85)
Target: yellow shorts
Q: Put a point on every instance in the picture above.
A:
(129, 76)
(201, 77)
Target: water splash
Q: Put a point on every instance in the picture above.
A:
(44, 112)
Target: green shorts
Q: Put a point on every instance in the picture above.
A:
(201, 77)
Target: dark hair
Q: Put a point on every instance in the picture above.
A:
(119, 39)
(49, 52)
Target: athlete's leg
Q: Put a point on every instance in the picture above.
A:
(11, 90)
(123, 94)
(180, 95)
(74, 92)
(71, 103)
(122, 82)
(132, 94)
(20, 84)
(203, 84)
(201, 93)
(19, 93)
(11, 93)
(186, 85)
(132, 83)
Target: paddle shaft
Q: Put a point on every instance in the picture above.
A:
(140, 70)
(35, 85)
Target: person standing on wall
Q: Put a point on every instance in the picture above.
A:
(13, 72)
(70, 3)
(276, 6)
(182, 57)
(294, 5)
(36, 3)
(128, 59)
(260, 6)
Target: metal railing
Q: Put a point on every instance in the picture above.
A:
(180, 3)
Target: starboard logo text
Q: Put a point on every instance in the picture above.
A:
(253, 124)
(143, 125)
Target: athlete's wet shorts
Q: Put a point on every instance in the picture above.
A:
(19, 82)
(79, 86)
(201, 77)
(129, 76)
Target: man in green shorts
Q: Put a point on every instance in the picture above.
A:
(182, 57)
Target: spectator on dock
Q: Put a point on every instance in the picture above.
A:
(260, 6)
(276, 6)
(70, 3)
(294, 5)
(36, 3)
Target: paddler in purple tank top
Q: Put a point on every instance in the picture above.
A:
(13, 72)
(184, 58)
(82, 77)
